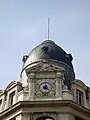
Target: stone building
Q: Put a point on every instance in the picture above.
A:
(47, 89)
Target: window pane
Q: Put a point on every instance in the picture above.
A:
(79, 97)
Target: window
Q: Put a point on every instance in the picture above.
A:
(11, 98)
(0, 101)
(5, 96)
(79, 97)
(0, 104)
(78, 118)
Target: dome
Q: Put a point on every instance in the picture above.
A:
(48, 50)
(52, 53)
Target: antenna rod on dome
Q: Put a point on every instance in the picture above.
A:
(48, 27)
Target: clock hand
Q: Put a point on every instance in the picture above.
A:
(45, 87)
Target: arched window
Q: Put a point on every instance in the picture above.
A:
(45, 118)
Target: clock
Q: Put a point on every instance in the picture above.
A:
(45, 87)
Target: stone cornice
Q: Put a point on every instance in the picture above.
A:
(32, 105)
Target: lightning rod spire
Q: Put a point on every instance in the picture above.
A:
(48, 28)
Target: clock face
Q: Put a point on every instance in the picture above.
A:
(45, 87)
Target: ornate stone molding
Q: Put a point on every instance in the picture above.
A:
(41, 67)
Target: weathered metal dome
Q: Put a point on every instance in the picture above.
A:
(48, 50)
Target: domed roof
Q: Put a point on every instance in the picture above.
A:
(48, 50)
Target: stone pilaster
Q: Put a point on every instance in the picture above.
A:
(23, 117)
(19, 117)
(89, 97)
(3, 103)
(57, 88)
(59, 81)
(7, 101)
(26, 117)
(16, 95)
(31, 85)
(66, 116)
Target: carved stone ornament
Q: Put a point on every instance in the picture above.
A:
(64, 87)
(31, 75)
(41, 67)
(60, 75)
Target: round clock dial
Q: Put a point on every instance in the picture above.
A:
(45, 87)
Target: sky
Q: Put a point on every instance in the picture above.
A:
(23, 25)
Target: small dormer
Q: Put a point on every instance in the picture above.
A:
(81, 93)
(8, 97)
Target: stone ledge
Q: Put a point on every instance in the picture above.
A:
(70, 105)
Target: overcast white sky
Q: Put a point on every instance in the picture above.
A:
(23, 25)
